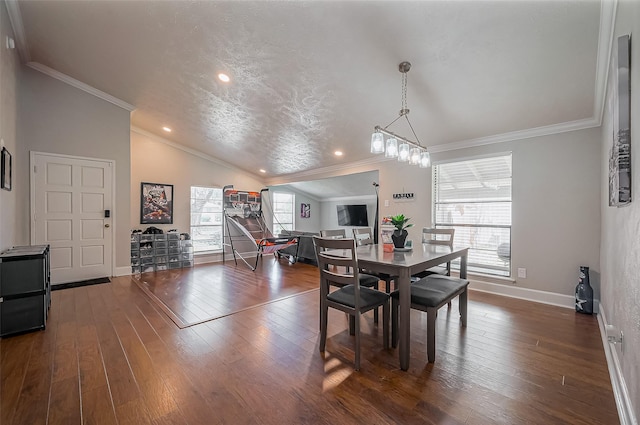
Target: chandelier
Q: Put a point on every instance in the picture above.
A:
(397, 146)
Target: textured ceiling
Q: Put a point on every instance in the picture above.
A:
(312, 77)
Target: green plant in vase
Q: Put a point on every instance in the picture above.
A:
(399, 236)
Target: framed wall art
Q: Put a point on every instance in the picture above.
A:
(5, 180)
(156, 203)
(620, 153)
(305, 210)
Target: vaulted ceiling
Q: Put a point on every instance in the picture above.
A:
(309, 78)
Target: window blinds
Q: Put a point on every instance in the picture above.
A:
(474, 198)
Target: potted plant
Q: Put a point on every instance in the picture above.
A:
(399, 236)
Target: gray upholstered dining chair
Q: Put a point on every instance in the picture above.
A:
(364, 236)
(433, 236)
(367, 280)
(350, 297)
(429, 294)
(333, 233)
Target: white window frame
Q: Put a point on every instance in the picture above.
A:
(197, 248)
(492, 255)
(278, 225)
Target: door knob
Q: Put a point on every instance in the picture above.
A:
(106, 225)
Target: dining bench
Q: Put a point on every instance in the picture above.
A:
(429, 294)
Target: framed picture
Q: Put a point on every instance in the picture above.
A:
(156, 203)
(305, 210)
(620, 153)
(5, 182)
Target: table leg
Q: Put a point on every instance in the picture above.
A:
(463, 265)
(404, 283)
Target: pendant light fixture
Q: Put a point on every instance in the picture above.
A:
(407, 151)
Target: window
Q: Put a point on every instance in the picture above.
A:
(206, 218)
(474, 198)
(283, 212)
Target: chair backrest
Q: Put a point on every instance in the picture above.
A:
(333, 234)
(337, 262)
(363, 236)
(434, 236)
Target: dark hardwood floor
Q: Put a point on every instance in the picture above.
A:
(110, 356)
(196, 295)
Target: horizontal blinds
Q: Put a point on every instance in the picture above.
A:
(474, 197)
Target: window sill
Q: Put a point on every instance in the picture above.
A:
(203, 253)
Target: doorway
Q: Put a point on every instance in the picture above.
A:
(71, 204)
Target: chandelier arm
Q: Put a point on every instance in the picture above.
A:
(399, 116)
(399, 138)
(413, 131)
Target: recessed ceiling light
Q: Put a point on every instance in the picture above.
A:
(224, 77)
(338, 153)
(167, 129)
(263, 170)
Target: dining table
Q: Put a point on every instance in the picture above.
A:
(404, 263)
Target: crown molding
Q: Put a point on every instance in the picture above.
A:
(193, 152)
(606, 35)
(517, 135)
(80, 85)
(15, 17)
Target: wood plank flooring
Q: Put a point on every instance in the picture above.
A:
(110, 356)
(195, 295)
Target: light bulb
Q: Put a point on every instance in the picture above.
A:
(403, 152)
(377, 142)
(392, 148)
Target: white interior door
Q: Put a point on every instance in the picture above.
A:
(69, 200)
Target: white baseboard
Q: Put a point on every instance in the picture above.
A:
(620, 393)
(123, 271)
(511, 291)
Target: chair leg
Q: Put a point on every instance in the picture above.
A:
(324, 313)
(431, 333)
(357, 323)
(375, 315)
(462, 304)
(394, 322)
(449, 305)
(385, 325)
(352, 325)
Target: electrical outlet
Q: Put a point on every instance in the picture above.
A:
(522, 273)
(386, 202)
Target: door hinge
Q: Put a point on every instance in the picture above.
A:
(35, 169)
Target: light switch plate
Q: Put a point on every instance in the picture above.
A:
(522, 273)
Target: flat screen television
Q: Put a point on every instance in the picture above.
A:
(352, 215)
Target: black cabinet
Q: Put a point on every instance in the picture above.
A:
(25, 289)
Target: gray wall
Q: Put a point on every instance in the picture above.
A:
(157, 162)
(9, 74)
(55, 117)
(311, 224)
(154, 161)
(556, 204)
(329, 212)
(620, 233)
(555, 211)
